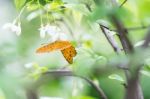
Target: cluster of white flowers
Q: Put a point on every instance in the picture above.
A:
(53, 31)
(14, 27)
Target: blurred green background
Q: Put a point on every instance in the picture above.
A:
(20, 66)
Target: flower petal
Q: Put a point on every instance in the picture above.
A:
(12, 27)
(51, 30)
(42, 31)
(7, 26)
(16, 29)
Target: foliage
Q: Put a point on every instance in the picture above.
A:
(24, 73)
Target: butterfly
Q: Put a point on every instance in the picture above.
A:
(65, 47)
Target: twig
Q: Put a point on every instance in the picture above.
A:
(123, 3)
(126, 44)
(97, 88)
(70, 73)
(88, 7)
(128, 28)
(132, 28)
(137, 28)
(147, 40)
(110, 39)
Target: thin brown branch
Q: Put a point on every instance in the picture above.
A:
(110, 39)
(88, 7)
(147, 40)
(137, 28)
(59, 73)
(96, 87)
(126, 44)
(132, 28)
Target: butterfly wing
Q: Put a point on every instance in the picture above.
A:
(57, 45)
(69, 53)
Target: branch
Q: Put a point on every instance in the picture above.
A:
(97, 88)
(137, 28)
(115, 46)
(123, 3)
(134, 90)
(110, 39)
(132, 28)
(126, 44)
(147, 40)
(114, 2)
(88, 7)
(31, 94)
(70, 73)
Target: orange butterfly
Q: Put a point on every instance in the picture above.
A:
(66, 48)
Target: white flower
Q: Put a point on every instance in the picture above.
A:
(29, 65)
(59, 36)
(53, 31)
(13, 27)
(42, 31)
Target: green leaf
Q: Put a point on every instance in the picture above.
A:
(56, 5)
(116, 77)
(147, 64)
(146, 73)
(19, 3)
(32, 7)
(139, 43)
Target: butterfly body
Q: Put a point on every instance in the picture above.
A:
(65, 47)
